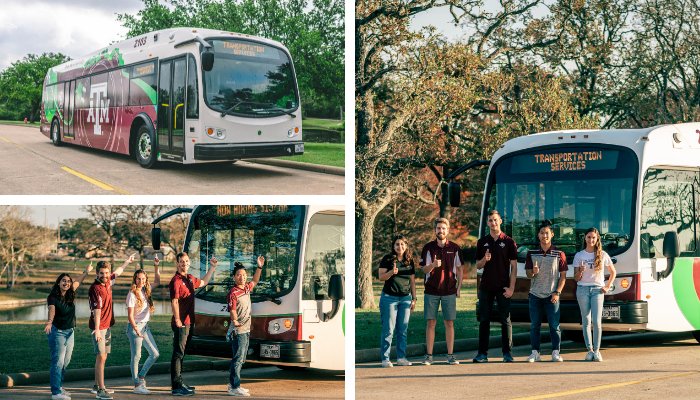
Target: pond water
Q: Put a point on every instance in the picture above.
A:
(82, 310)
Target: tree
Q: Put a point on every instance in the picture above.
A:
(21, 84)
(312, 30)
(20, 240)
(82, 235)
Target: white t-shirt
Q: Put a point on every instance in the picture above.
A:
(590, 276)
(142, 315)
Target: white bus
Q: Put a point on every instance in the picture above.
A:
(184, 95)
(639, 187)
(298, 313)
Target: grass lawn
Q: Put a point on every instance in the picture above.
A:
(332, 154)
(19, 293)
(28, 340)
(318, 123)
(6, 122)
(368, 324)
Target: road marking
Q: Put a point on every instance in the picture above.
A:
(4, 139)
(602, 387)
(95, 182)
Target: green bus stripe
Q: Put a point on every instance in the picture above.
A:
(684, 290)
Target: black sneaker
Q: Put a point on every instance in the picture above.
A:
(188, 387)
(507, 358)
(103, 395)
(95, 389)
(480, 358)
(182, 391)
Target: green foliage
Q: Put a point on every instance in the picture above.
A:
(313, 31)
(332, 154)
(21, 85)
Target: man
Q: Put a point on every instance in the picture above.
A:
(182, 288)
(102, 319)
(547, 268)
(442, 266)
(238, 334)
(496, 254)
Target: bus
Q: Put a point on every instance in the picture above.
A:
(639, 187)
(298, 310)
(183, 95)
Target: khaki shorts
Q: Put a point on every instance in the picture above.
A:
(104, 346)
(448, 304)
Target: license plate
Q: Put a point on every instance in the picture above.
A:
(299, 148)
(270, 350)
(611, 312)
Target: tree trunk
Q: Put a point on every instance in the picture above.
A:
(364, 226)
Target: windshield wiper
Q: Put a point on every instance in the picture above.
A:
(282, 110)
(228, 110)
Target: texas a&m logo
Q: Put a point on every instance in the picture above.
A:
(99, 106)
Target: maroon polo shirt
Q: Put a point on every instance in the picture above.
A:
(496, 273)
(182, 288)
(441, 281)
(100, 298)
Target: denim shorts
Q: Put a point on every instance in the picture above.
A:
(449, 306)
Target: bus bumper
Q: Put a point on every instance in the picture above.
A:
(292, 353)
(633, 315)
(227, 151)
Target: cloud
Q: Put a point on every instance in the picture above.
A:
(74, 28)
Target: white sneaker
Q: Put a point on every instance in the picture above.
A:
(387, 364)
(240, 387)
(65, 392)
(556, 357)
(60, 396)
(238, 392)
(141, 389)
(590, 355)
(597, 356)
(535, 356)
(402, 362)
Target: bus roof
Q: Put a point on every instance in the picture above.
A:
(156, 44)
(673, 136)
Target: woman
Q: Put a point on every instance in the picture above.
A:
(591, 288)
(398, 299)
(60, 327)
(139, 306)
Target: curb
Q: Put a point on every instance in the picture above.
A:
(20, 303)
(324, 169)
(121, 371)
(461, 345)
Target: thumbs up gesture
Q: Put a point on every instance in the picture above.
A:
(487, 256)
(535, 269)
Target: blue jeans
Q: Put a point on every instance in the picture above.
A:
(136, 342)
(395, 311)
(61, 349)
(590, 301)
(538, 307)
(239, 349)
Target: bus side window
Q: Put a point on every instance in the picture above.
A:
(325, 254)
(192, 93)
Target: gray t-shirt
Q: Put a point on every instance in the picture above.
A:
(551, 263)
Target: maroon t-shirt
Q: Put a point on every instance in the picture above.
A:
(496, 273)
(182, 289)
(441, 281)
(100, 297)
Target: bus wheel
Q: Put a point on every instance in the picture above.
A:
(145, 147)
(55, 132)
(574, 336)
(696, 335)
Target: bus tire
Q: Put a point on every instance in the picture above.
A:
(55, 132)
(696, 335)
(144, 146)
(574, 336)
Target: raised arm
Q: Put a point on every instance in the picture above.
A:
(258, 270)
(128, 261)
(213, 263)
(156, 274)
(76, 284)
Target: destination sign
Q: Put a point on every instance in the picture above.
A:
(225, 211)
(247, 49)
(562, 161)
(143, 70)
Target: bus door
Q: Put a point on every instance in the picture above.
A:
(171, 108)
(69, 109)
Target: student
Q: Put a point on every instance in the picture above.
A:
(398, 271)
(591, 288)
(442, 266)
(102, 320)
(182, 288)
(497, 255)
(238, 334)
(547, 268)
(60, 328)
(139, 305)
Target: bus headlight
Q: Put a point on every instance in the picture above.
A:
(280, 325)
(216, 133)
(293, 132)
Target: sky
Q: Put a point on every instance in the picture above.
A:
(72, 27)
(51, 215)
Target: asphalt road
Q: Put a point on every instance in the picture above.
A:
(641, 366)
(30, 164)
(267, 383)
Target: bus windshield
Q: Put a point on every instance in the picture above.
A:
(574, 187)
(250, 79)
(240, 234)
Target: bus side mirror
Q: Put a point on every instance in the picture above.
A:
(155, 238)
(207, 61)
(671, 249)
(336, 287)
(454, 191)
